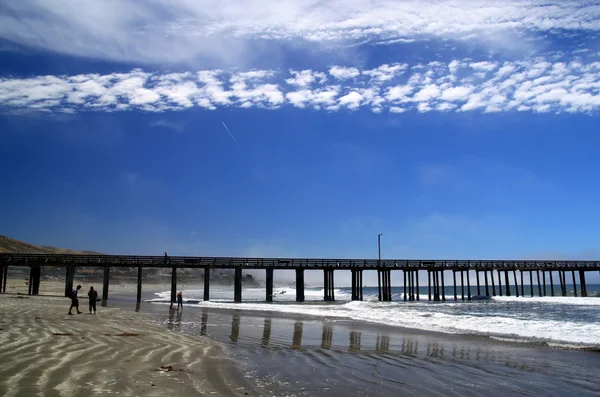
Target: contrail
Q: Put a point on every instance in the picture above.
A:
(230, 134)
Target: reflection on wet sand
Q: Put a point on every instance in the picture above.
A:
(297, 337)
(204, 323)
(266, 332)
(235, 328)
(373, 342)
(327, 337)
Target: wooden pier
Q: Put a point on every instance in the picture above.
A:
(483, 269)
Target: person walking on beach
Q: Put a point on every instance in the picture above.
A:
(180, 300)
(74, 300)
(93, 296)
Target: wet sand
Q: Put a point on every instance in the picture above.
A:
(46, 352)
(297, 355)
(305, 356)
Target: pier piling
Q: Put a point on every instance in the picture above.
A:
(237, 291)
(487, 289)
(551, 283)
(583, 285)
(468, 285)
(105, 281)
(506, 283)
(269, 285)
(1, 278)
(34, 280)
(478, 285)
(206, 283)
(462, 285)
(539, 283)
(499, 283)
(516, 283)
(574, 283)
(69, 276)
(443, 287)
(299, 285)
(173, 285)
(139, 285)
(454, 279)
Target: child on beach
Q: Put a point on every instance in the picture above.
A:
(74, 300)
(93, 296)
(180, 300)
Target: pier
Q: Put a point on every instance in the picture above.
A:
(487, 284)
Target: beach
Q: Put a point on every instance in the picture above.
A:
(285, 349)
(46, 352)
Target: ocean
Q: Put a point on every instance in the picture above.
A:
(568, 322)
(504, 346)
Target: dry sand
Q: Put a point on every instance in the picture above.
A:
(95, 359)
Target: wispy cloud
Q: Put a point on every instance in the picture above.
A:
(181, 30)
(178, 127)
(534, 85)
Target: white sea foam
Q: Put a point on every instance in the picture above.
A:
(516, 319)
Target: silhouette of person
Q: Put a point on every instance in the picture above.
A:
(74, 300)
(180, 300)
(93, 297)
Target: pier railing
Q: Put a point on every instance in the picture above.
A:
(288, 263)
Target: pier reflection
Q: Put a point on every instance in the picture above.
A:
(297, 337)
(235, 328)
(274, 333)
(204, 323)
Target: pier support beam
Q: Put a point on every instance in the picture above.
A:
(207, 283)
(487, 288)
(237, 288)
(139, 285)
(1, 277)
(443, 287)
(328, 288)
(531, 282)
(357, 294)
(104, 285)
(499, 283)
(493, 285)
(468, 285)
(462, 285)
(299, 285)
(551, 284)
(574, 283)
(69, 276)
(269, 285)
(416, 286)
(544, 281)
(516, 283)
(174, 285)
(405, 290)
(454, 278)
(582, 281)
(4, 278)
(34, 280)
(506, 283)
(522, 284)
(540, 283)
(478, 286)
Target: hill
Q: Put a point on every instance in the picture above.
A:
(9, 245)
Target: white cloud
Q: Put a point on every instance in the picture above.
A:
(535, 85)
(343, 73)
(184, 30)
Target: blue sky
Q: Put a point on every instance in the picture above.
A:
(457, 130)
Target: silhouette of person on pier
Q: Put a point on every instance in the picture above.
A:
(74, 300)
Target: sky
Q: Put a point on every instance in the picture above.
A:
(458, 129)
